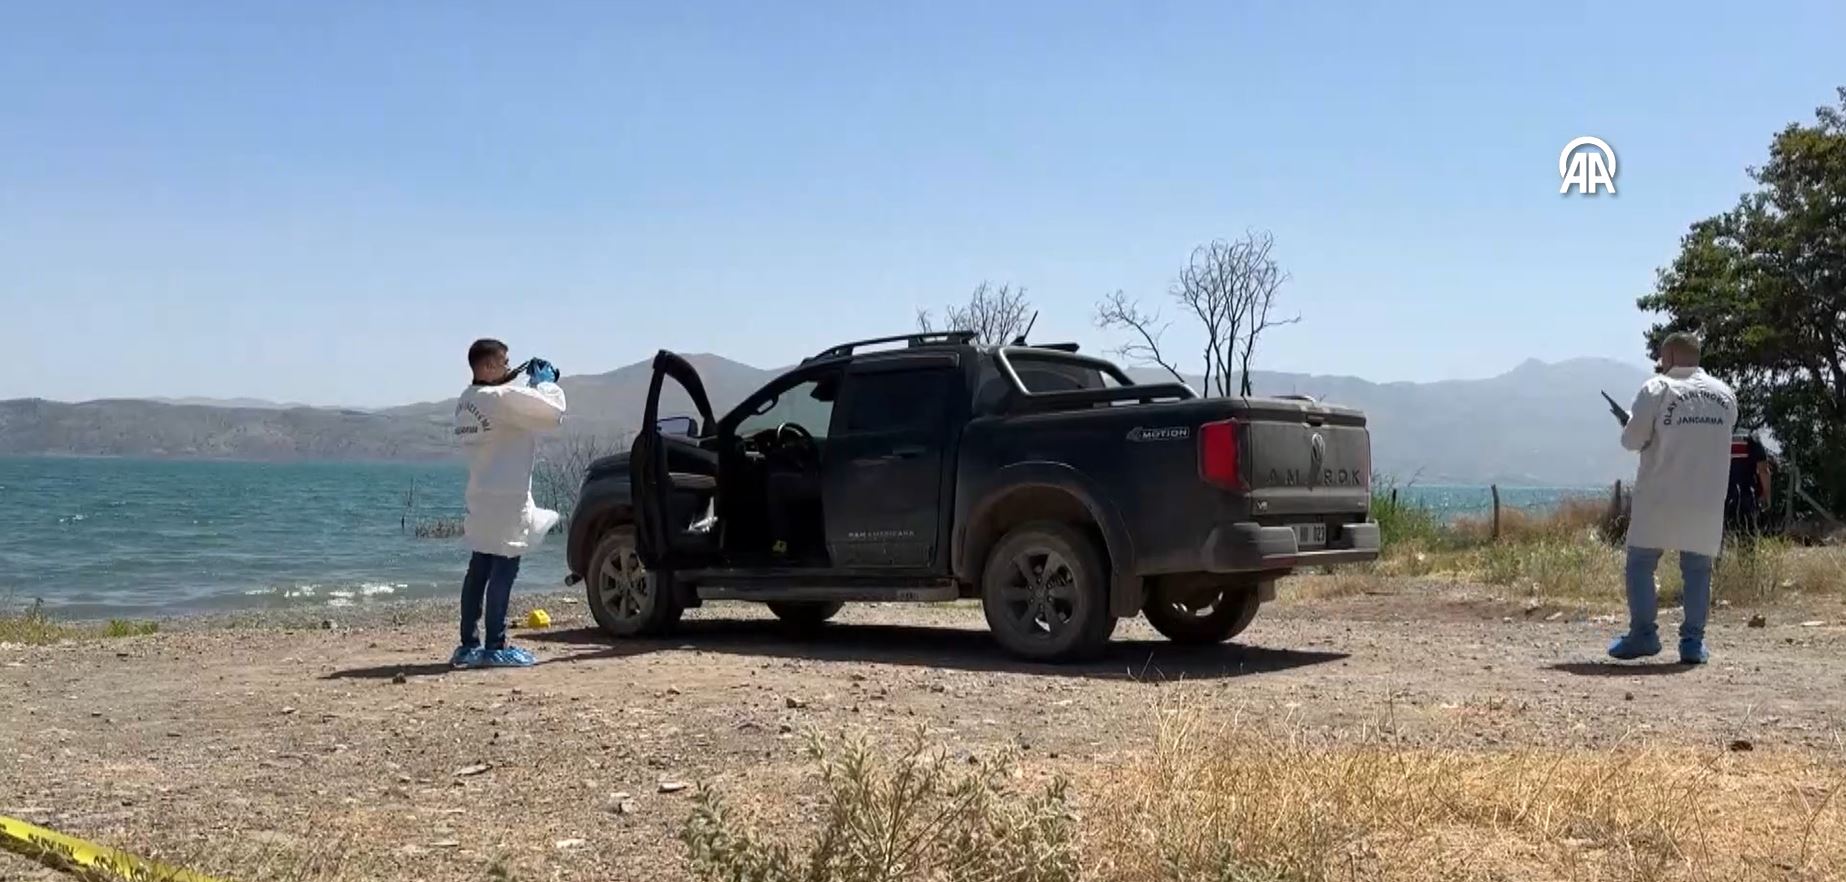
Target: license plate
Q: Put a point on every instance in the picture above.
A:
(1310, 535)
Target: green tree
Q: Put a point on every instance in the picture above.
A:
(1765, 284)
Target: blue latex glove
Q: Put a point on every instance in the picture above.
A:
(542, 371)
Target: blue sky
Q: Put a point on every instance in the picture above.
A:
(327, 201)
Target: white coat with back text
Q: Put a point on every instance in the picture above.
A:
(1681, 424)
(498, 428)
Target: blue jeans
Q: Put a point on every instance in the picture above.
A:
(490, 579)
(1694, 570)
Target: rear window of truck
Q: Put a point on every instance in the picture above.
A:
(1039, 375)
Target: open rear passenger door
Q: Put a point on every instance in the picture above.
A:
(671, 477)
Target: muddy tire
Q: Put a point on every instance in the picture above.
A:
(1212, 618)
(625, 599)
(805, 614)
(1045, 591)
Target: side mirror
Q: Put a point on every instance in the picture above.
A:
(683, 426)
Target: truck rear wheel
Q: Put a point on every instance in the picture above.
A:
(625, 599)
(1045, 591)
(1202, 617)
(805, 614)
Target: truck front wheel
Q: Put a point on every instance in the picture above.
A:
(625, 598)
(1045, 591)
(1210, 616)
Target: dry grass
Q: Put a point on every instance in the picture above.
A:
(1218, 798)
(1551, 569)
(897, 819)
(1570, 520)
(1815, 570)
(33, 626)
(227, 858)
(1765, 571)
(1588, 571)
(1236, 801)
(1567, 556)
(1339, 583)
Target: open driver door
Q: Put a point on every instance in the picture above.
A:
(673, 478)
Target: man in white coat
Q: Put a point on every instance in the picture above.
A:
(498, 423)
(1681, 424)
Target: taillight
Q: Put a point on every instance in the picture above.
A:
(1218, 455)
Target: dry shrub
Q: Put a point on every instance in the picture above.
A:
(1585, 570)
(31, 626)
(1767, 569)
(1815, 570)
(1748, 572)
(1556, 569)
(440, 528)
(564, 461)
(1400, 522)
(1571, 519)
(1762, 570)
(914, 817)
(1413, 559)
(1232, 801)
(34, 626)
(1567, 554)
(1332, 586)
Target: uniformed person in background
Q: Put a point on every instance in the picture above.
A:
(1747, 497)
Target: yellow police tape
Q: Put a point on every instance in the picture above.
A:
(86, 860)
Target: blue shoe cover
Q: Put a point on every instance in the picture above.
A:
(508, 657)
(465, 657)
(1692, 652)
(1632, 646)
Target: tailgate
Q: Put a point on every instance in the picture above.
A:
(1303, 458)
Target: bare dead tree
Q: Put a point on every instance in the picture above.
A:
(1207, 288)
(557, 476)
(995, 315)
(1117, 311)
(1229, 289)
(1261, 285)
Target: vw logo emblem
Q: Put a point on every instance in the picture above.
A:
(1317, 458)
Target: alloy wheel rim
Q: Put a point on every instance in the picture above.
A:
(623, 584)
(1040, 593)
(1199, 611)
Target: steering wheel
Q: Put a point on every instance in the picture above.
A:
(799, 433)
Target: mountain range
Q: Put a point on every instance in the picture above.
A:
(1538, 424)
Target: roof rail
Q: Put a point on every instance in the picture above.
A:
(931, 338)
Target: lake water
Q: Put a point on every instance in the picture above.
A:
(119, 537)
(97, 537)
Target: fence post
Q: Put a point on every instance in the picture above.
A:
(1393, 500)
(1794, 484)
(1496, 512)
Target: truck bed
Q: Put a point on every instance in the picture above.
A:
(1296, 463)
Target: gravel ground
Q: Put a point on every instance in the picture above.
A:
(353, 744)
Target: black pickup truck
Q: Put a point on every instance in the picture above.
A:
(930, 468)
